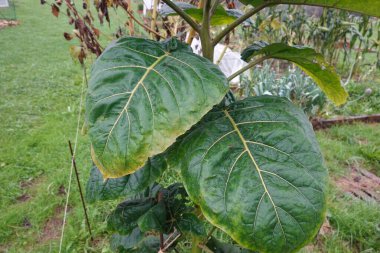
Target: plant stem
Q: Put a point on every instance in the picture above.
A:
(237, 22)
(205, 249)
(154, 17)
(206, 42)
(209, 235)
(222, 54)
(183, 14)
(248, 66)
(194, 245)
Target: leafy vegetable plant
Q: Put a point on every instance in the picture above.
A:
(251, 168)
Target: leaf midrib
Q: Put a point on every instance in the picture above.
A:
(244, 142)
(139, 83)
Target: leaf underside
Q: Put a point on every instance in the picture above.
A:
(142, 96)
(127, 186)
(311, 62)
(135, 242)
(221, 247)
(256, 171)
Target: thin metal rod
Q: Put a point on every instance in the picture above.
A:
(80, 189)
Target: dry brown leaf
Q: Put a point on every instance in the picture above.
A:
(71, 20)
(96, 32)
(68, 36)
(87, 19)
(55, 10)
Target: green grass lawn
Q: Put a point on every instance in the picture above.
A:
(40, 89)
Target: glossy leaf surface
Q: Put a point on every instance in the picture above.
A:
(308, 60)
(256, 171)
(367, 7)
(142, 95)
(127, 186)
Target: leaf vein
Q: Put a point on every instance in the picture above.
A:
(292, 185)
(244, 142)
(228, 178)
(291, 157)
(132, 95)
(257, 210)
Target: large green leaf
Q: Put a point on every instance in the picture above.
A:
(308, 60)
(256, 171)
(126, 186)
(368, 7)
(142, 95)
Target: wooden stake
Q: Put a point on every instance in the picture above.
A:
(80, 190)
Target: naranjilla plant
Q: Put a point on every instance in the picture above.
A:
(251, 168)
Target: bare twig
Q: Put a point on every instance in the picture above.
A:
(170, 240)
(125, 6)
(144, 26)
